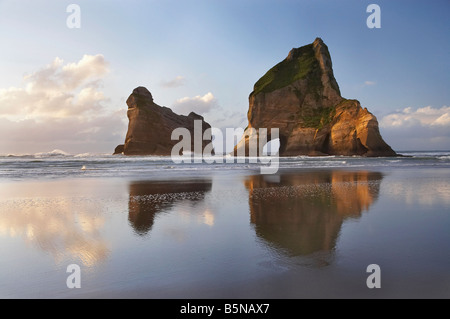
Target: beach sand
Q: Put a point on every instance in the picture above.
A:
(295, 234)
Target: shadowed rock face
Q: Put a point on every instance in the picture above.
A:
(150, 126)
(304, 213)
(301, 97)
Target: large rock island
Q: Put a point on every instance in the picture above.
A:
(150, 126)
(301, 97)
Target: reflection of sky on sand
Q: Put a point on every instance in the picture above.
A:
(67, 221)
(207, 217)
(422, 191)
(299, 213)
(234, 235)
(64, 219)
(60, 227)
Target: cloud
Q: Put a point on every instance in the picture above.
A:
(368, 83)
(60, 106)
(425, 116)
(425, 128)
(176, 82)
(74, 135)
(89, 67)
(198, 104)
(57, 76)
(57, 90)
(218, 117)
(228, 119)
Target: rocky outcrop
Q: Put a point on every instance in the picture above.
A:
(301, 97)
(119, 149)
(150, 126)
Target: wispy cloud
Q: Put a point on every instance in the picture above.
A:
(198, 104)
(176, 82)
(228, 119)
(414, 129)
(425, 116)
(369, 83)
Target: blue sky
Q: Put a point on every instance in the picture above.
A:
(66, 88)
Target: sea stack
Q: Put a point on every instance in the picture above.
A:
(150, 126)
(301, 97)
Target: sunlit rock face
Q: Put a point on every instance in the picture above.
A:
(150, 126)
(303, 213)
(301, 97)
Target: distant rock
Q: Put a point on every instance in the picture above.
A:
(301, 97)
(150, 126)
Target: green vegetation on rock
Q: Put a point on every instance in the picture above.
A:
(320, 118)
(288, 71)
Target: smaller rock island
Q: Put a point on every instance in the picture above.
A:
(150, 126)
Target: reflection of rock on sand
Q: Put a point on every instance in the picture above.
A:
(147, 198)
(303, 212)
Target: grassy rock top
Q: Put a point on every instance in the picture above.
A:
(298, 65)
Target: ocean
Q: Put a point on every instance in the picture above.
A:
(104, 226)
(59, 164)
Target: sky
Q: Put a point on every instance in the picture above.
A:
(65, 88)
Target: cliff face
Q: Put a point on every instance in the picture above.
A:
(301, 97)
(150, 126)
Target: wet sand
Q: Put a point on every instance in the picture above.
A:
(295, 234)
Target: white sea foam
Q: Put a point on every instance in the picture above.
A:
(57, 163)
(55, 152)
